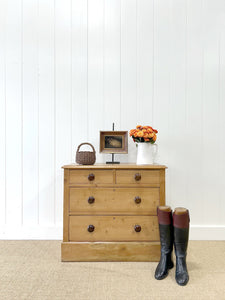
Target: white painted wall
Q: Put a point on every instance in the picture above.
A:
(69, 68)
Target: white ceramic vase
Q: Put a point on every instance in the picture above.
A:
(146, 153)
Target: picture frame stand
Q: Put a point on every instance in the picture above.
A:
(113, 142)
(113, 162)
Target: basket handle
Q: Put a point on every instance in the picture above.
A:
(78, 148)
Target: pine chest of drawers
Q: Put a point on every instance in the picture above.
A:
(110, 212)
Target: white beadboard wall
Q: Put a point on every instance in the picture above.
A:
(69, 68)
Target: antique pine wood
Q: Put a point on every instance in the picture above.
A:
(113, 228)
(113, 200)
(100, 177)
(110, 251)
(66, 207)
(128, 177)
(110, 212)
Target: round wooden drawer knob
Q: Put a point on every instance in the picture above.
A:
(91, 228)
(91, 200)
(91, 177)
(137, 228)
(137, 200)
(137, 176)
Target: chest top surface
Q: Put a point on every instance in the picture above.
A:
(114, 166)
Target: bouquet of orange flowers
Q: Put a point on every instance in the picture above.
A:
(143, 134)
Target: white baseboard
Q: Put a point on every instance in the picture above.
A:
(32, 233)
(206, 232)
(197, 232)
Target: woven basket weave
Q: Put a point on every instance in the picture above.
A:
(85, 157)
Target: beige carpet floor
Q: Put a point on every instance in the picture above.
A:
(33, 270)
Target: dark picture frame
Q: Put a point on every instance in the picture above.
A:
(114, 142)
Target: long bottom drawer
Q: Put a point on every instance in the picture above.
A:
(113, 228)
(110, 251)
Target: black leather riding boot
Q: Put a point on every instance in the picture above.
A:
(166, 241)
(181, 233)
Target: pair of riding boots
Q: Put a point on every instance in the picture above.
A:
(174, 230)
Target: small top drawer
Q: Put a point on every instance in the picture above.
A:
(138, 176)
(91, 177)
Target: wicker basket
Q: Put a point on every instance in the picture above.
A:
(85, 157)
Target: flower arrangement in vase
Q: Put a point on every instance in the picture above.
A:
(145, 137)
(142, 134)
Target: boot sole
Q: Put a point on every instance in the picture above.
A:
(160, 278)
(164, 276)
(182, 284)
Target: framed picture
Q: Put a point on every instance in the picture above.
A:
(114, 141)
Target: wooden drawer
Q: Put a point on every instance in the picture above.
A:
(114, 200)
(113, 228)
(91, 177)
(138, 177)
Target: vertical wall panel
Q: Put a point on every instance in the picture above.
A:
(221, 202)
(46, 111)
(13, 116)
(95, 73)
(195, 185)
(2, 111)
(162, 84)
(111, 62)
(63, 101)
(129, 101)
(111, 68)
(177, 109)
(79, 74)
(30, 111)
(210, 111)
(145, 61)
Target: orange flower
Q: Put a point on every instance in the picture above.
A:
(140, 134)
(143, 133)
(154, 137)
(132, 131)
(149, 130)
